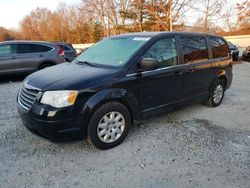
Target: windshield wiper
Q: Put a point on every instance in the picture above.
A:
(88, 63)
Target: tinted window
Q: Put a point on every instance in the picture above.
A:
(194, 49)
(164, 51)
(64, 47)
(33, 48)
(8, 49)
(44, 48)
(231, 46)
(219, 47)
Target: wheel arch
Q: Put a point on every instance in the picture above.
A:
(45, 62)
(118, 95)
(222, 76)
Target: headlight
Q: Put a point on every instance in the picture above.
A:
(59, 99)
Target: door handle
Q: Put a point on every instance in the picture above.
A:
(13, 57)
(41, 55)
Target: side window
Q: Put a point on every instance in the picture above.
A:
(33, 48)
(44, 48)
(219, 47)
(8, 49)
(64, 47)
(194, 49)
(164, 51)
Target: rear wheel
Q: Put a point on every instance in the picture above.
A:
(109, 125)
(216, 93)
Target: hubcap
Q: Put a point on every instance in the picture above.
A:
(218, 94)
(111, 127)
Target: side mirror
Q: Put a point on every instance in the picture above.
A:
(148, 64)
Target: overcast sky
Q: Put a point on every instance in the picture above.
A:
(13, 11)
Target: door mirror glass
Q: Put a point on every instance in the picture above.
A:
(148, 64)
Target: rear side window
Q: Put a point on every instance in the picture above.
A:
(219, 47)
(194, 49)
(33, 48)
(44, 48)
(164, 51)
(8, 49)
(65, 47)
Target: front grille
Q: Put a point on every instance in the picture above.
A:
(27, 96)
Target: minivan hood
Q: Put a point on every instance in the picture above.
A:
(69, 76)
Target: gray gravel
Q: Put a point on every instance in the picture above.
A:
(193, 147)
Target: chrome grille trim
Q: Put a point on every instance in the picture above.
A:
(27, 96)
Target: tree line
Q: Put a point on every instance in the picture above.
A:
(91, 21)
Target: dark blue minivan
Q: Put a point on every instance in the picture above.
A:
(122, 80)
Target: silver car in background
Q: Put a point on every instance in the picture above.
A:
(28, 56)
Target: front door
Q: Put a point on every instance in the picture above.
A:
(161, 87)
(9, 58)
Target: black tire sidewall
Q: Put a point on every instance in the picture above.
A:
(96, 117)
(215, 84)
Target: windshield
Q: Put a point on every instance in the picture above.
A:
(112, 51)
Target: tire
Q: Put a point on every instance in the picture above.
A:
(45, 65)
(243, 58)
(109, 125)
(216, 93)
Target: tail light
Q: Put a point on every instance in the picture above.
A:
(61, 52)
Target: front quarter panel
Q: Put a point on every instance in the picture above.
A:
(117, 94)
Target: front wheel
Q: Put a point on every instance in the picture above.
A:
(109, 125)
(216, 94)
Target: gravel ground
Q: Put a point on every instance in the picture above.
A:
(193, 147)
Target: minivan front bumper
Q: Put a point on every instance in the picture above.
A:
(56, 129)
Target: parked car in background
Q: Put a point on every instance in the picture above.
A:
(122, 80)
(234, 51)
(28, 56)
(246, 54)
(69, 52)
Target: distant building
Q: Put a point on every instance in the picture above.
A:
(187, 28)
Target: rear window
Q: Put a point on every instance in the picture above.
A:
(219, 47)
(194, 49)
(33, 48)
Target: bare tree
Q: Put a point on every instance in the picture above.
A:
(244, 16)
(211, 10)
(228, 15)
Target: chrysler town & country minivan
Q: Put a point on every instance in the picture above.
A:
(122, 80)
